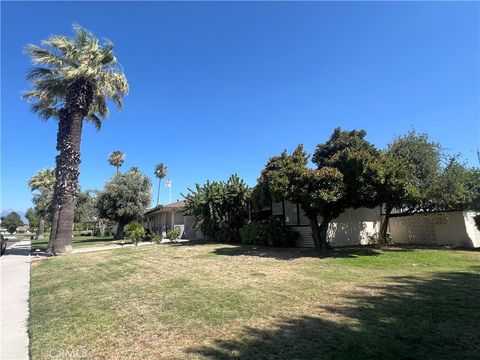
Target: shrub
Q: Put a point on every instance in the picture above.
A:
(224, 235)
(135, 231)
(270, 234)
(157, 238)
(173, 234)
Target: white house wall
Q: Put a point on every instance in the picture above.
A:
(353, 227)
(447, 228)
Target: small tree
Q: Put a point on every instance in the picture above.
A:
(135, 231)
(217, 205)
(116, 159)
(12, 221)
(125, 198)
(32, 219)
(345, 177)
(42, 185)
(160, 173)
(86, 210)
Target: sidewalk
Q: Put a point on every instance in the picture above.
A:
(15, 286)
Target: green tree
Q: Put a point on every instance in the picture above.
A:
(116, 159)
(72, 81)
(32, 218)
(345, 177)
(125, 199)
(219, 205)
(160, 173)
(459, 187)
(423, 158)
(135, 231)
(86, 209)
(12, 221)
(42, 185)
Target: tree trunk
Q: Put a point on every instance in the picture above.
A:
(41, 228)
(120, 234)
(315, 232)
(158, 192)
(79, 98)
(384, 227)
(322, 234)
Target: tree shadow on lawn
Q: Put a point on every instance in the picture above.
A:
(411, 318)
(296, 253)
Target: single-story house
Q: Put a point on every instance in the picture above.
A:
(163, 218)
(353, 227)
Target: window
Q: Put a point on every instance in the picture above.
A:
(304, 220)
(291, 215)
(277, 208)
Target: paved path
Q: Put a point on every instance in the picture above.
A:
(15, 285)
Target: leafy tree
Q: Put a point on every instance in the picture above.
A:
(219, 206)
(459, 187)
(71, 82)
(12, 221)
(160, 173)
(135, 231)
(125, 199)
(397, 187)
(423, 160)
(32, 218)
(345, 177)
(86, 210)
(116, 159)
(42, 185)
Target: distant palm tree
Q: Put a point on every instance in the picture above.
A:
(72, 81)
(44, 183)
(160, 173)
(116, 158)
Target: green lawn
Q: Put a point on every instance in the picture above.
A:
(77, 242)
(214, 301)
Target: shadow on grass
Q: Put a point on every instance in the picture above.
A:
(412, 318)
(295, 253)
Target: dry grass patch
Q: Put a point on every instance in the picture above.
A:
(226, 302)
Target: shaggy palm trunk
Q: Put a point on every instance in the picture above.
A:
(384, 227)
(41, 228)
(69, 136)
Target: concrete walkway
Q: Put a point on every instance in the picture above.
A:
(15, 285)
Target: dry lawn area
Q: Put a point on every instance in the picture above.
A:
(216, 301)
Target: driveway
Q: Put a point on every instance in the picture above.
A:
(14, 291)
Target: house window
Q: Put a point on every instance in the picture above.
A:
(277, 208)
(304, 220)
(291, 216)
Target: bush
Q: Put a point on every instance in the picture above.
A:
(135, 231)
(270, 234)
(157, 238)
(173, 234)
(224, 235)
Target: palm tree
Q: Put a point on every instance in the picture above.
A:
(44, 183)
(160, 173)
(72, 80)
(116, 158)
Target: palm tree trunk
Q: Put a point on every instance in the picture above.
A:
(69, 137)
(41, 228)
(158, 192)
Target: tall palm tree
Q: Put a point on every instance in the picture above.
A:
(44, 183)
(72, 80)
(116, 158)
(160, 173)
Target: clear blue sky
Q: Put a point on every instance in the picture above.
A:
(218, 88)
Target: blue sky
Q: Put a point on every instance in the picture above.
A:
(218, 88)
